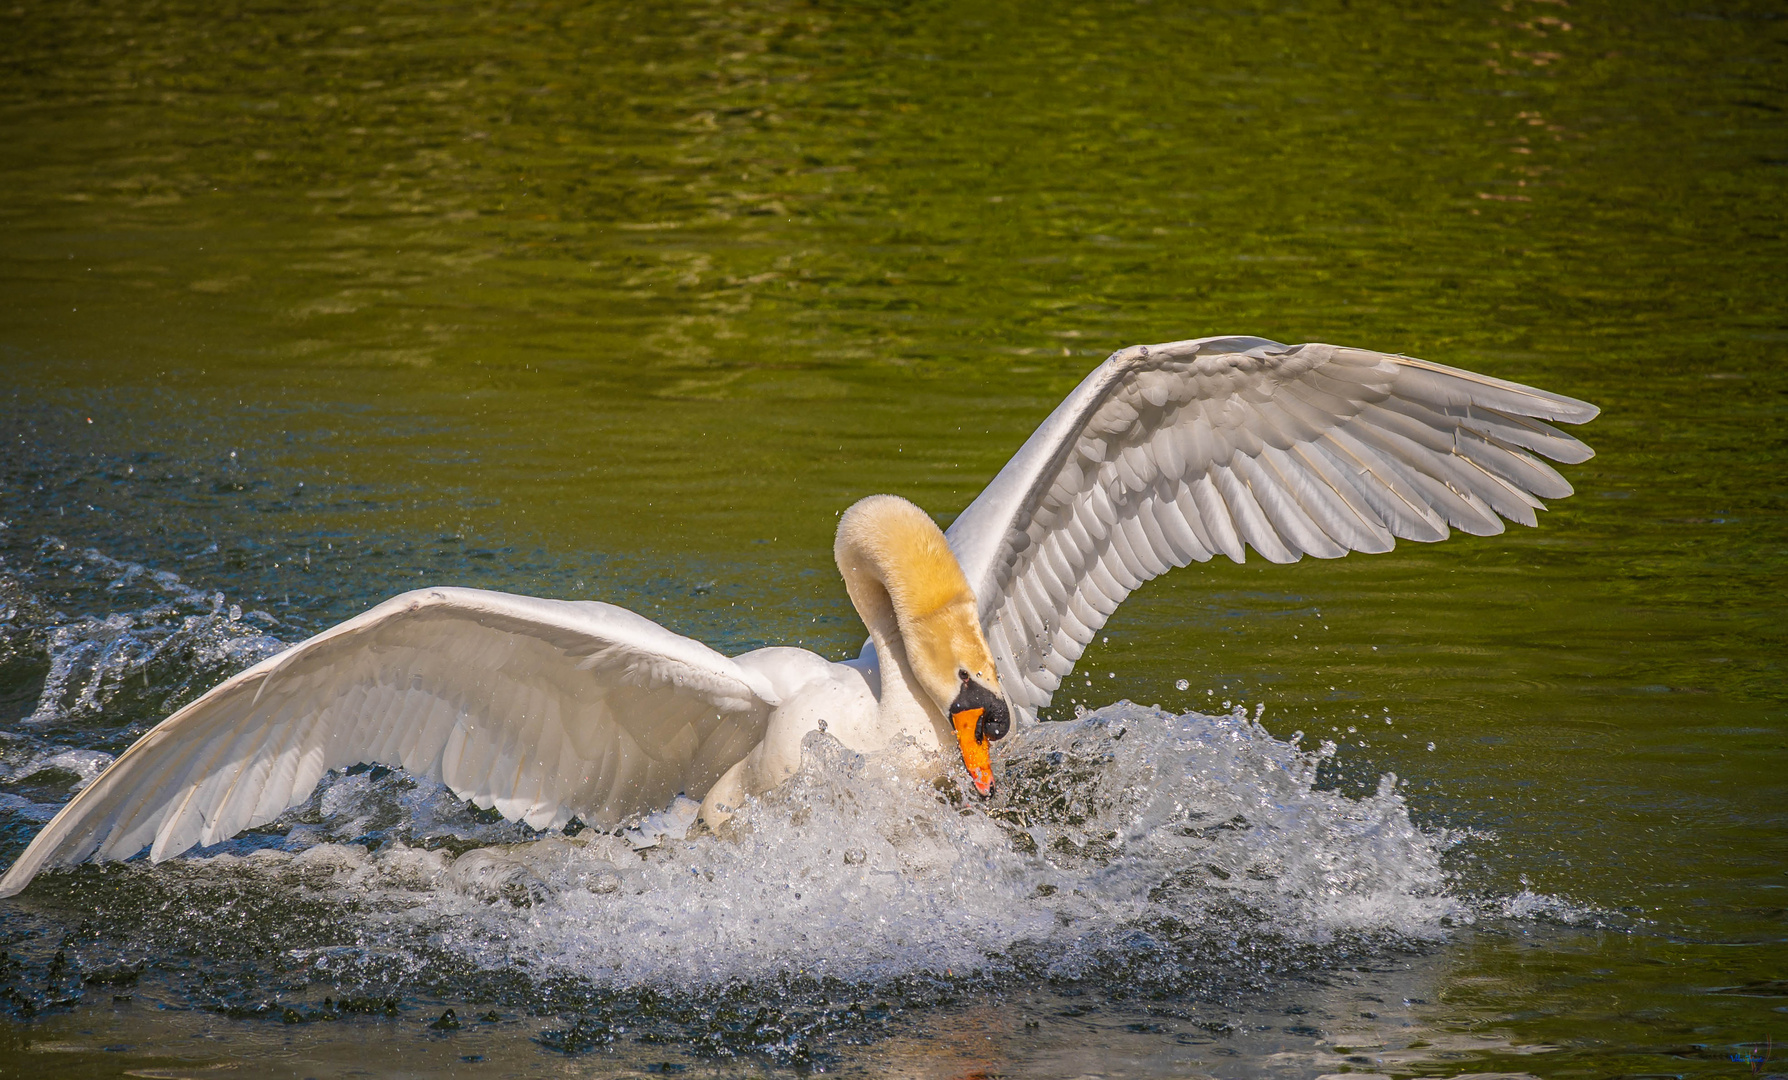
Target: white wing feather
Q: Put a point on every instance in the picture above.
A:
(543, 709)
(1169, 454)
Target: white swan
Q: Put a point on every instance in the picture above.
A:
(550, 709)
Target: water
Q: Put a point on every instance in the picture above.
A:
(305, 307)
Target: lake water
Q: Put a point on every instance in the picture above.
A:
(306, 305)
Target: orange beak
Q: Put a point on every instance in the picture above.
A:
(974, 750)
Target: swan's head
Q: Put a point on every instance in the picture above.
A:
(900, 571)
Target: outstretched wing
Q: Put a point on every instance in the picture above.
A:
(1169, 454)
(543, 709)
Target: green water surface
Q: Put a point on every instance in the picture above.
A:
(626, 301)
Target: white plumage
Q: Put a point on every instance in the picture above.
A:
(546, 709)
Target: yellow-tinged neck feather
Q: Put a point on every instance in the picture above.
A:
(902, 575)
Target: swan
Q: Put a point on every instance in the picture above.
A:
(547, 710)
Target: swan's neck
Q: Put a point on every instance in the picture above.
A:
(902, 705)
(911, 594)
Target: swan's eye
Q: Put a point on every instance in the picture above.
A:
(962, 673)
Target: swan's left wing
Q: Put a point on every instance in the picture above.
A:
(1168, 454)
(541, 709)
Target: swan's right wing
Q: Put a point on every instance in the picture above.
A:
(543, 709)
(1168, 454)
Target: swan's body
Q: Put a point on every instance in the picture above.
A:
(548, 710)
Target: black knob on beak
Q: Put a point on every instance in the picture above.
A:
(995, 722)
(995, 719)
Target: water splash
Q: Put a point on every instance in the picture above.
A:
(1127, 836)
(139, 663)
